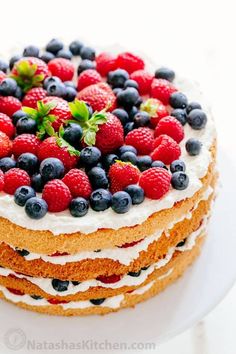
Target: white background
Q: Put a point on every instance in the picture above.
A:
(196, 38)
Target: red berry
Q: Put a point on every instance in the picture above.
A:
(57, 195)
(63, 68)
(2, 76)
(1, 180)
(61, 111)
(156, 110)
(170, 126)
(105, 62)
(142, 139)
(87, 78)
(14, 179)
(33, 96)
(162, 89)
(57, 302)
(9, 105)
(5, 145)
(16, 291)
(109, 279)
(6, 125)
(165, 149)
(144, 80)
(121, 175)
(25, 143)
(78, 183)
(130, 62)
(156, 182)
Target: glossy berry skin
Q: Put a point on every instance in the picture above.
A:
(109, 160)
(60, 285)
(116, 90)
(106, 62)
(28, 162)
(136, 193)
(9, 105)
(143, 79)
(6, 163)
(160, 164)
(70, 94)
(90, 156)
(127, 148)
(25, 143)
(73, 134)
(56, 89)
(193, 105)
(165, 149)
(19, 93)
(165, 73)
(13, 60)
(129, 156)
(22, 194)
(54, 46)
(5, 145)
(97, 302)
(177, 165)
(142, 139)
(37, 182)
(121, 175)
(180, 115)
(100, 200)
(179, 180)
(141, 119)
(162, 89)
(132, 111)
(47, 56)
(31, 51)
(144, 162)
(36, 208)
(85, 65)
(57, 188)
(122, 115)
(193, 147)
(63, 68)
(26, 126)
(155, 182)
(51, 80)
(8, 87)
(130, 62)
(178, 100)
(128, 97)
(78, 183)
(75, 47)
(87, 78)
(51, 168)
(3, 66)
(131, 83)
(63, 53)
(15, 178)
(79, 207)
(128, 127)
(117, 78)
(33, 96)
(197, 119)
(171, 127)
(87, 53)
(121, 202)
(6, 125)
(98, 178)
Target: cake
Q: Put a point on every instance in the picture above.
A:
(107, 178)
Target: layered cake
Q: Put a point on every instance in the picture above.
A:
(107, 178)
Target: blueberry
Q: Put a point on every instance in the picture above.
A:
(98, 178)
(51, 168)
(131, 83)
(97, 302)
(121, 202)
(22, 252)
(56, 89)
(141, 119)
(122, 115)
(70, 84)
(87, 53)
(51, 80)
(180, 115)
(109, 160)
(134, 274)
(90, 156)
(178, 100)
(73, 134)
(165, 73)
(3, 66)
(54, 46)
(36, 208)
(18, 115)
(126, 148)
(160, 164)
(86, 64)
(144, 162)
(19, 93)
(116, 90)
(79, 207)
(136, 193)
(75, 47)
(13, 60)
(26, 125)
(36, 297)
(179, 180)
(22, 194)
(75, 283)
(28, 162)
(8, 87)
(60, 285)
(63, 53)
(197, 119)
(129, 156)
(193, 146)
(90, 109)
(128, 97)
(181, 243)
(37, 182)
(117, 78)
(6, 163)
(193, 105)
(47, 56)
(132, 112)
(100, 200)
(31, 51)
(128, 127)
(70, 94)
(177, 165)
(139, 102)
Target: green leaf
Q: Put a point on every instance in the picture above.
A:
(64, 144)
(90, 137)
(33, 113)
(79, 109)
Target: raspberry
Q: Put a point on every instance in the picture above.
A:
(142, 139)
(156, 110)
(129, 62)
(87, 78)
(63, 68)
(57, 195)
(156, 182)
(6, 125)
(9, 105)
(2, 76)
(1, 180)
(109, 279)
(122, 174)
(105, 62)
(26, 143)
(144, 80)
(14, 179)
(165, 149)
(162, 89)
(33, 96)
(78, 183)
(170, 126)
(5, 145)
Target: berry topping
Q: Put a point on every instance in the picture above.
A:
(1, 180)
(193, 105)
(79, 207)
(121, 202)
(142, 139)
(143, 79)
(170, 126)
(160, 164)
(9, 105)
(162, 89)
(122, 115)
(165, 73)
(141, 119)
(36, 208)
(90, 156)
(165, 149)
(178, 100)
(155, 182)
(85, 64)
(75, 47)
(6, 125)
(8, 87)
(62, 68)
(100, 199)
(98, 178)
(14, 179)
(128, 97)
(57, 195)
(179, 180)
(136, 193)
(22, 194)
(106, 62)
(25, 143)
(54, 46)
(117, 78)
(87, 53)
(180, 115)
(28, 162)
(177, 165)
(197, 119)
(144, 162)
(34, 95)
(78, 183)
(129, 157)
(6, 163)
(51, 168)
(156, 110)
(129, 62)
(193, 146)
(87, 78)
(121, 175)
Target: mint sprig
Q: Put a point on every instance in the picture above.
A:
(26, 76)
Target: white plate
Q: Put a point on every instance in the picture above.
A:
(177, 308)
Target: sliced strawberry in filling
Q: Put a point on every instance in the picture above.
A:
(131, 244)
(110, 279)
(16, 292)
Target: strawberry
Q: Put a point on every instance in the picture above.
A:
(33, 96)
(156, 182)
(99, 96)
(2, 76)
(9, 105)
(15, 178)
(61, 111)
(57, 195)
(87, 78)
(5, 145)
(111, 279)
(144, 80)
(129, 62)
(78, 183)
(6, 125)
(25, 143)
(165, 149)
(170, 126)
(142, 139)
(63, 68)
(162, 89)
(156, 110)
(1, 180)
(121, 175)
(105, 62)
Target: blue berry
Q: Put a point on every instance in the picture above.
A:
(117, 78)
(75, 47)
(54, 46)
(22, 194)
(75, 283)
(126, 148)
(79, 207)
(141, 119)
(109, 160)
(179, 180)
(73, 134)
(178, 100)
(18, 115)
(132, 112)
(128, 127)
(47, 56)
(136, 193)
(87, 53)
(177, 165)
(19, 93)
(180, 115)
(144, 162)
(90, 156)
(26, 125)
(98, 178)
(100, 199)
(134, 274)
(31, 51)
(36, 208)
(51, 168)
(37, 182)
(3, 66)
(160, 164)
(193, 105)
(131, 83)
(28, 162)
(56, 89)
(165, 73)
(121, 202)
(193, 146)
(36, 297)
(122, 115)
(128, 97)
(86, 64)
(97, 302)
(116, 90)
(13, 60)
(22, 252)
(70, 94)
(60, 285)
(8, 87)
(70, 84)
(197, 119)
(51, 80)
(63, 53)
(129, 156)
(6, 163)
